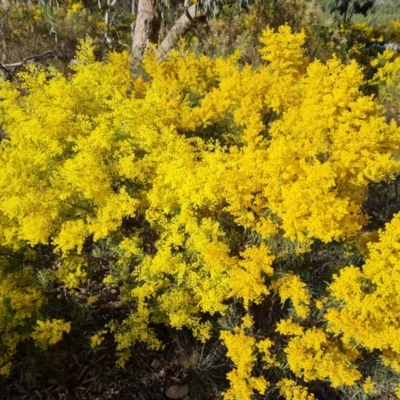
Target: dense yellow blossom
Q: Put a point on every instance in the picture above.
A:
(288, 327)
(50, 332)
(312, 355)
(246, 278)
(242, 352)
(369, 386)
(369, 298)
(20, 305)
(292, 391)
(291, 287)
(97, 338)
(198, 177)
(398, 391)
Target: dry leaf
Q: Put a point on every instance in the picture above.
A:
(176, 392)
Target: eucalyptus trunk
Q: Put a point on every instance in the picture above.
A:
(181, 26)
(146, 29)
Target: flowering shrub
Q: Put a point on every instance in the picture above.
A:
(208, 177)
(367, 313)
(20, 305)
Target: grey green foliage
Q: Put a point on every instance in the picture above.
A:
(377, 12)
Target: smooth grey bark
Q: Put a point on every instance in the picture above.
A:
(146, 29)
(181, 26)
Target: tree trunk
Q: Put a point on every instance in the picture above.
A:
(181, 26)
(146, 29)
(4, 7)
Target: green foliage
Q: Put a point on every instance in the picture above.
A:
(240, 29)
(381, 13)
(31, 28)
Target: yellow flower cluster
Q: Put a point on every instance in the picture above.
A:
(291, 287)
(97, 338)
(194, 174)
(50, 332)
(369, 386)
(242, 351)
(292, 391)
(312, 355)
(20, 305)
(369, 300)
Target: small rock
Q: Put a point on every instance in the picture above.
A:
(160, 374)
(155, 364)
(176, 392)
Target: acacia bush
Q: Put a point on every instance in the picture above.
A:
(221, 189)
